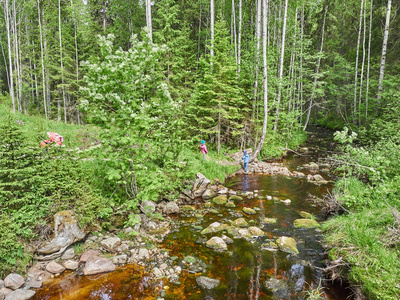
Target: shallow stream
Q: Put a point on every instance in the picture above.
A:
(246, 270)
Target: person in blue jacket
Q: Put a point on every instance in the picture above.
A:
(246, 159)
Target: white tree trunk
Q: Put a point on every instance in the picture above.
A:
(212, 14)
(239, 37)
(62, 64)
(316, 71)
(384, 46)
(368, 62)
(281, 67)
(8, 29)
(362, 62)
(356, 67)
(256, 59)
(233, 33)
(148, 19)
(265, 81)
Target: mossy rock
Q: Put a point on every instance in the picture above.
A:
(207, 204)
(216, 243)
(305, 215)
(240, 222)
(199, 216)
(287, 244)
(215, 227)
(269, 221)
(270, 246)
(160, 231)
(220, 200)
(249, 211)
(235, 198)
(188, 208)
(255, 231)
(214, 211)
(190, 259)
(230, 204)
(305, 223)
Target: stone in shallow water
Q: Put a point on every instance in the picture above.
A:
(20, 295)
(207, 204)
(214, 227)
(235, 198)
(230, 204)
(240, 222)
(207, 282)
(269, 221)
(305, 223)
(220, 200)
(216, 243)
(278, 287)
(255, 231)
(97, 265)
(305, 215)
(54, 267)
(287, 244)
(249, 211)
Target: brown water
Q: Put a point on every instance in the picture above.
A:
(243, 269)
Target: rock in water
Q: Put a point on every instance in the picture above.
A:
(97, 265)
(14, 281)
(287, 244)
(216, 243)
(20, 295)
(207, 282)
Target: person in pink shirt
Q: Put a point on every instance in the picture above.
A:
(203, 148)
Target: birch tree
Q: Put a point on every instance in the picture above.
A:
(383, 57)
(10, 66)
(148, 19)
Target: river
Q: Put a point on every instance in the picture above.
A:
(248, 269)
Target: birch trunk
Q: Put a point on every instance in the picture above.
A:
(368, 62)
(148, 19)
(233, 33)
(356, 68)
(62, 65)
(239, 54)
(11, 82)
(265, 81)
(212, 13)
(383, 58)
(362, 63)
(316, 71)
(258, 37)
(281, 67)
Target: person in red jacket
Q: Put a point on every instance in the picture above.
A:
(203, 148)
(53, 137)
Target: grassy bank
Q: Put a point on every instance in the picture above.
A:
(364, 242)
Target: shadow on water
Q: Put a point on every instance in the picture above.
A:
(247, 270)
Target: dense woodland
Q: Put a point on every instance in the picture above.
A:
(151, 78)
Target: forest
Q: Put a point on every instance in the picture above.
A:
(138, 84)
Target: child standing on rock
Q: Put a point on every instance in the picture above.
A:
(246, 159)
(203, 148)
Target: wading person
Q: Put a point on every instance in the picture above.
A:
(246, 159)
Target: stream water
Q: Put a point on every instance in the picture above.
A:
(247, 270)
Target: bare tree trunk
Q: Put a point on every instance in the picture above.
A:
(5, 63)
(383, 58)
(212, 14)
(368, 63)
(356, 67)
(362, 63)
(265, 74)
(62, 65)
(76, 56)
(148, 19)
(301, 63)
(281, 67)
(11, 76)
(256, 59)
(316, 71)
(233, 33)
(239, 37)
(16, 58)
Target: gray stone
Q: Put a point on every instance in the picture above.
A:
(34, 284)
(111, 243)
(240, 222)
(68, 254)
(287, 201)
(20, 295)
(249, 211)
(172, 208)
(255, 231)
(163, 266)
(1, 296)
(278, 287)
(287, 244)
(200, 185)
(120, 259)
(71, 264)
(66, 232)
(207, 282)
(87, 254)
(148, 207)
(143, 253)
(208, 194)
(157, 272)
(97, 265)
(216, 243)
(54, 267)
(1, 283)
(14, 281)
(214, 227)
(5, 291)
(227, 239)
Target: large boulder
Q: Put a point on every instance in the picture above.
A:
(171, 208)
(208, 194)
(97, 265)
(200, 185)
(287, 244)
(207, 282)
(66, 232)
(14, 281)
